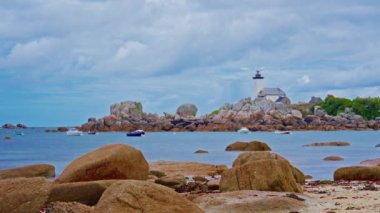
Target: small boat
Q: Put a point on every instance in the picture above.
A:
(74, 132)
(283, 132)
(243, 130)
(136, 133)
(92, 132)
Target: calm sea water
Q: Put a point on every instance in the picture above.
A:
(58, 149)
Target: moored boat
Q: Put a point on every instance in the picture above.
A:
(136, 133)
(283, 132)
(74, 132)
(243, 130)
(92, 132)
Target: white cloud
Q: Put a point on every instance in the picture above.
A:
(195, 50)
(128, 49)
(305, 79)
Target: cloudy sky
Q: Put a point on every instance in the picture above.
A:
(62, 61)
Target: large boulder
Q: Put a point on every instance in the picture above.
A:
(187, 111)
(262, 171)
(8, 126)
(114, 161)
(333, 158)
(127, 109)
(23, 194)
(143, 196)
(36, 170)
(248, 146)
(357, 173)
(87, 193)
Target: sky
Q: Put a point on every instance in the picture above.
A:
(62, 61)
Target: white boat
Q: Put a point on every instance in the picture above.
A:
(243, 130)
(74, 132)
(136, 133)
(283, 132)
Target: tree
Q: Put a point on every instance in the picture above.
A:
(333, 105)
(368, 108)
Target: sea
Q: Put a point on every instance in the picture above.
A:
(36, 146)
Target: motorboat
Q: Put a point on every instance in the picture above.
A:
(92, 132)
(136, 133)
(243, 130)
(283, 132)
(74, 132)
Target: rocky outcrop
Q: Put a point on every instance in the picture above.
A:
(333, 158)
(262, 171)
(36, 170)
(8, 126)
(142, 196)
(23, 194)
(248, 146)
(334, 143)
(115, 161)
(199, 151)
(371, 162)
(357, 173)
(257, 115)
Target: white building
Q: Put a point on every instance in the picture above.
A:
(273, 94)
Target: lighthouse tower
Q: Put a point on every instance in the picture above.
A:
(259, 84)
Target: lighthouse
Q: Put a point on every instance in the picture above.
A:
(259, 84)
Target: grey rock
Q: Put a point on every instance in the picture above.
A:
(187, 111)
(296, 113)
(127, 109)
(264, 104)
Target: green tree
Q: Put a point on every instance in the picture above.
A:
(368, 108)
(333, 105)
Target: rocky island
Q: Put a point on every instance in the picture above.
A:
(260, 114)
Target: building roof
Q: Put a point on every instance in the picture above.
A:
(272, 91)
